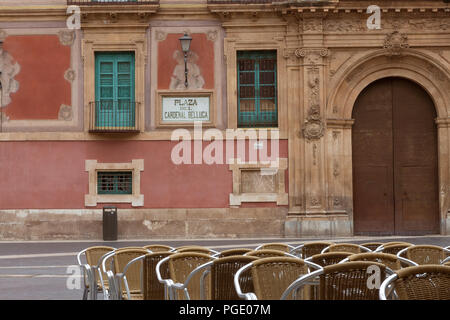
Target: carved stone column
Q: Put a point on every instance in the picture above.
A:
(313, 128)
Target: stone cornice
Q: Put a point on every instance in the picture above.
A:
(39, 12)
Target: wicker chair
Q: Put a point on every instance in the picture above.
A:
(233, 252)
(424, 254)
(198, 249)
(309, 249)
(425, 282)
(92, 275)
(323, 260)
(180, 285)
(265, 253)
(158, 248)
(393, 247)
(346, 247)
(271, 276)
(389, 260)
(328, 258)
(446, 261)
(342, 281)
(372, 245)
(152, 289)
(222, 272)
(275, 246)
(122, 275)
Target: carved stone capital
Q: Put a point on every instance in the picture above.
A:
(312, 56)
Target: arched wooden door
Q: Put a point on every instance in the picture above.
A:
(395, 163)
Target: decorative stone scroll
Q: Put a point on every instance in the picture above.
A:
(314, 128)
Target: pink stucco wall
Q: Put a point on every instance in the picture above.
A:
(51, 175)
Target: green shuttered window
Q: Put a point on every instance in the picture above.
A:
(115, 182)
(114, 89)
(257, 89)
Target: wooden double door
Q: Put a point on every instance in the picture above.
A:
(395, 162)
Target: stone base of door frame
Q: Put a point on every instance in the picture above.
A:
(327, 226)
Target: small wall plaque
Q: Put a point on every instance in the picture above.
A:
(185, 108)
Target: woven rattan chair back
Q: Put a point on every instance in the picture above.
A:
(349, 281)
(198, 249)
(425, 282)
(93, 255)
(394, 247)
(265, 253)
(233, 252)
(152, 288)
(271, 276)
(389, 260)
(275, 246)
(344, 247)
(158, 248)
(222, 275)
(372, 245)
(309, 249)
(329, 258)
(181, 265)
(134, 273)
(426, 254)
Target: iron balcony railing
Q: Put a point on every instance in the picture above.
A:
(114, 116)
(121, 2)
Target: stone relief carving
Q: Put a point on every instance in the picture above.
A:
(65, 113)
(160, 35)
(313, 127)
(345, 25)
(195, 78)
(395, 43)
(311, 25)
(66, 37)
(212, 35)
(70, 75)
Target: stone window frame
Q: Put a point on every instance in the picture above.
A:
(231, 47)
(281, 197)
(100, 42)
(93, 198)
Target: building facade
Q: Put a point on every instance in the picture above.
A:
(283, 119)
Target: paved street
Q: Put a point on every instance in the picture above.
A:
(40, 270)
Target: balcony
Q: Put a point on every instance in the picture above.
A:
(114, 117)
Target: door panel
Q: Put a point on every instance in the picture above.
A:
(374, 208)
(372, 140)
(415, 159)
(395, 175)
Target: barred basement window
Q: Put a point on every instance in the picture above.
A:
(115, 182)
(257, 89)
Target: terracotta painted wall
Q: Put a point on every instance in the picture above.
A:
(42, 90)
(51, 175)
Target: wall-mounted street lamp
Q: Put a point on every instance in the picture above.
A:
(185, 46)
